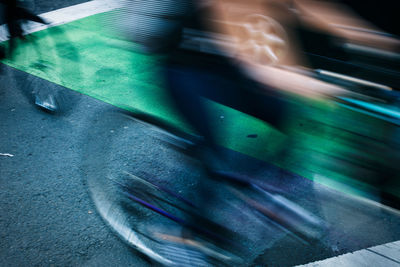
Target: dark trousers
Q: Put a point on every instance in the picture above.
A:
(224, 84)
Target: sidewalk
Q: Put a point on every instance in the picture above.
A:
(386, 255)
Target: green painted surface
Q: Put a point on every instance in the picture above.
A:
(86, 57)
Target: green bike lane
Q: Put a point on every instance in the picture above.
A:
(88, 57)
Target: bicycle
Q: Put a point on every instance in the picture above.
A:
(131, 198)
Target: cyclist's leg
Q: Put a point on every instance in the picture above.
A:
(227, 86)
(187, 86)
(232, 88)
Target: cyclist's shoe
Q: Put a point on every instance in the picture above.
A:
(216, 164)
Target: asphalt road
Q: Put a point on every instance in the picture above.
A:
(46, 216)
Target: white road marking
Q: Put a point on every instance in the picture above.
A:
(6, 155)
(65, 15)
(383, 255)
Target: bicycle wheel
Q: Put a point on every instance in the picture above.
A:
(118, 148)
(141, 186)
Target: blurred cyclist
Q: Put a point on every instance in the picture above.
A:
(237, 73)
(192, 76)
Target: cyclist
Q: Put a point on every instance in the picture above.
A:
(239, 82)
(239, 76)
(192, 76)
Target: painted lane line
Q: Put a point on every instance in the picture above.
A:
(6, 155)
(66, 15)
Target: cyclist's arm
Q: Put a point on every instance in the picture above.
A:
(268, 74)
